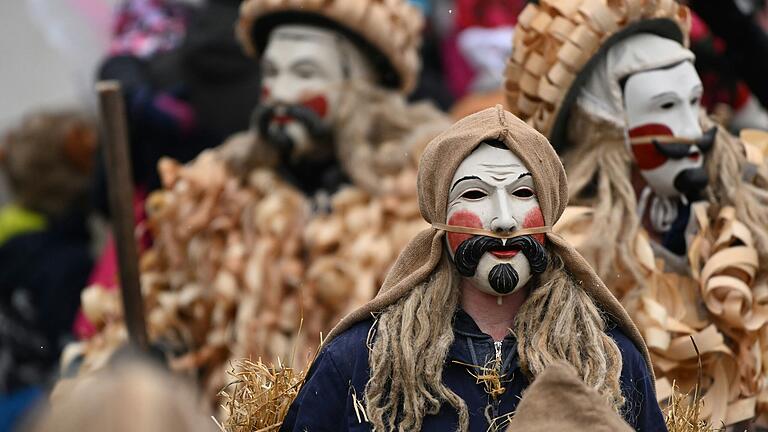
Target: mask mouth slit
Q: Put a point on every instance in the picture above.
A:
(505, 251)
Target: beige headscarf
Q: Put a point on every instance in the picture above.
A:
(438, 164)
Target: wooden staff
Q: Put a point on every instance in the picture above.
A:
(120, 188)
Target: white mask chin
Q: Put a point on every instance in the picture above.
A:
(492, 189)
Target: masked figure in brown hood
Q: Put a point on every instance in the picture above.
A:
(480, 303)
(674, 209)
(265, 242)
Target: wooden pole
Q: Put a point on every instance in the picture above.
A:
(117, 160)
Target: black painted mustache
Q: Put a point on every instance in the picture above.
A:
(679, 151)
(262, 117)
(502, 276)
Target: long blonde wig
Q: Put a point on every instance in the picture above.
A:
(599, 168)
(558, 321)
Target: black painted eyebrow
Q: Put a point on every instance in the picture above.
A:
(524, 174)
(462, 179)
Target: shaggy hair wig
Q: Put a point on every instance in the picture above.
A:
(558, 321)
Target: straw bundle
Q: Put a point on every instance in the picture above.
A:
(259, 398)
(683, 413)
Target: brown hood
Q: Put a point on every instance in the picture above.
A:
(438, 164)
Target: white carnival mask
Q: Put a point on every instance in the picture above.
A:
(665, 138)
(303, 72)
(493, 190)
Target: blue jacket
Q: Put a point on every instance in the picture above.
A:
(341, 369)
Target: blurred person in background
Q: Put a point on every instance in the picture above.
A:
(726, 95)
(333, 145)
(432, 84)
(731, 46)
(187, 83)
(476, 42)
(187, 86)
(45, 254)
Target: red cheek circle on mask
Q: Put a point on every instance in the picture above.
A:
(462, 218)
(535, 219)
(646, 155)
(318, 104)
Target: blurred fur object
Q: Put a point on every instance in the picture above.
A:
(579, 408)
(48, 160)
(126, 397)
(241, 256)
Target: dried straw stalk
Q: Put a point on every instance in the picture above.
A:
(683, 413)
(259, 398)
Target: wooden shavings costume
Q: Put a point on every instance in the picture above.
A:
(716, 292)
(246, 265)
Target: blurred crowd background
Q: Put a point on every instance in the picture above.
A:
(188, 86)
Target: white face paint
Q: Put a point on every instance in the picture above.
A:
(492, 189)
(664, 102)
(307, 66)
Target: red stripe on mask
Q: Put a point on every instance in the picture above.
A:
(646, 155)
(318, 104)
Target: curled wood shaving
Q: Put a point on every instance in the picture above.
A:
(719, 306)
(238, 261)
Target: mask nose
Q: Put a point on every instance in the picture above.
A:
(505, 221)
(690, 127)
(282, 91)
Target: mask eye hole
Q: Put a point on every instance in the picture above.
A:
(523, 192)
(268, 69)
(667, 105)
(474, 194)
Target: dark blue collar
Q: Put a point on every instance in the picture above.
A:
(472, 346)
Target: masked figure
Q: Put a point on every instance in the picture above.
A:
(45, 250)
(479, 304)
(675, 215)
(263, 243)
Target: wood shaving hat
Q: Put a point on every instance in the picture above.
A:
(388, 32)
(558, 42)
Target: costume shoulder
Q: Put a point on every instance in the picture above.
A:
(339, 372)
(632, 359)
(641, 409)
(350, 348)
